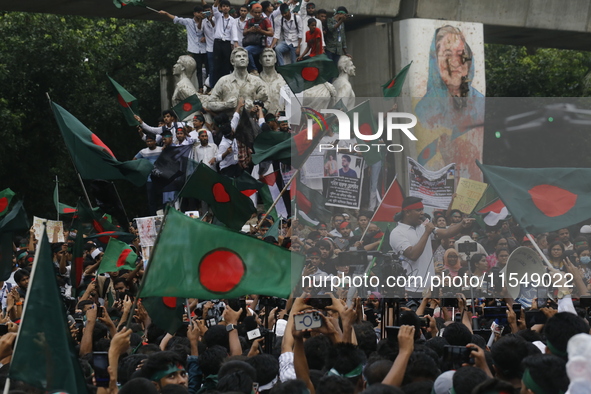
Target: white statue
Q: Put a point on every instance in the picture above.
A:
(272, 79)
(183, 70)
(240, 83)
(342, 84)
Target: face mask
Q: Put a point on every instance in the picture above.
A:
(585, 259)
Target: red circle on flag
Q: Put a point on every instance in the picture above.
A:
(552, 200)
(392, 84)
(122, 257)
(426, 153)
(169, 302)
(97, 141)
(187, 107)
(310, 73)
(3, 204)
(69, 210)
(365, 129)
(221, 270)
(219, 193)
(122, 102)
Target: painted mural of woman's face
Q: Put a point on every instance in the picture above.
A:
(452, 67)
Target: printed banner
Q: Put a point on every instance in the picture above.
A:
(436, 188)
(52, 227)
(344, 190)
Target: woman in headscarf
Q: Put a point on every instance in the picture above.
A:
(451, 262)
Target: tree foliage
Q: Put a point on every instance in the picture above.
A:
(68, 57)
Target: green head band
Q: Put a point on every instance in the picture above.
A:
(170, 369)
(356, 372)
(555, 351)
(529, 382)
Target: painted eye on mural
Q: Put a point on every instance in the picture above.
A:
(465, 57)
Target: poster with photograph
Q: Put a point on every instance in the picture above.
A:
(331, 168)
(344, 190)
(52, 226)
(436, 188)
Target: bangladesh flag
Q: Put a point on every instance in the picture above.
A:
(248, 186)
(16, 220)
(165, 312)
(92, 158)
(308, 73)
(542, 199)
(187, 107)
(229, 205)
(5, 197)
(220, 264)
(127, 103)
(61, 208)
(118, 256)
(391, 204)
(120, 3)
(362, 119)
(311, 205)
(44, 355)
(393, 88)
(272, 145)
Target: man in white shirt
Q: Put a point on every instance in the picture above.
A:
(205, 151)
(289, 29)
(196, 43)
(152, 152)
(170, 124)
(412, 239)
(225, 39)
(310, 14)
(240, 23)
(209, 32)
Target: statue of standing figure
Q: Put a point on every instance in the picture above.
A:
(183, 70)
(342, 84)
(272, 79)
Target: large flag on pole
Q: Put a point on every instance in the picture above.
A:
(44, 355)
(118, 256)
(221, 263)
(393, 88)
(542, 199)
(391, 204)
(308, 73)
(187, 107)
(92, 158)
(127, 103)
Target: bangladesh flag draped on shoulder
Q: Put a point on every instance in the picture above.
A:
(187, 107)
(219, 263)
(363, 120)
(118, 256)
(542, 199)
(44, 354)
(127, 103)
(92, 158)
(165, 312)
(229, 205)
(393, 88)
(5, 198)
(308, 73)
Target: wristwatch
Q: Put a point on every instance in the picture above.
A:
(230, 327)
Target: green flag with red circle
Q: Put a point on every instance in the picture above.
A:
(216, 263)
(5, 198)
(187, 107)
(123, 3)
(92, 158)
(127, 102)
(393, 88)
(308, 73)
(228, 204)
(165, 312)
(542, 199)
(118, 256)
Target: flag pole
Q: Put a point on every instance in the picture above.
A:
(122, 206)
(152, 9)
(278, 197)
(374, 214)
(57, 191)
(544, 258)
(139, 292)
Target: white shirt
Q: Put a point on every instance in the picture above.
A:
(231, 158)
(208, 31)
(204, 154)
(290, 30)
(272, 18)
(240, 29)
(158, 130)
(194, 34)
(405, 236)
(225, 28)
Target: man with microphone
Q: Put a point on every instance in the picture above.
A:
(412, 238)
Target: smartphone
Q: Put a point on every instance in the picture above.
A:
(3, 329)
(308, 320)
(534, 317)
(253, 334)
(456, 355)
(424, 322)
(99, 311)
(392, 333)
(100, 365)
